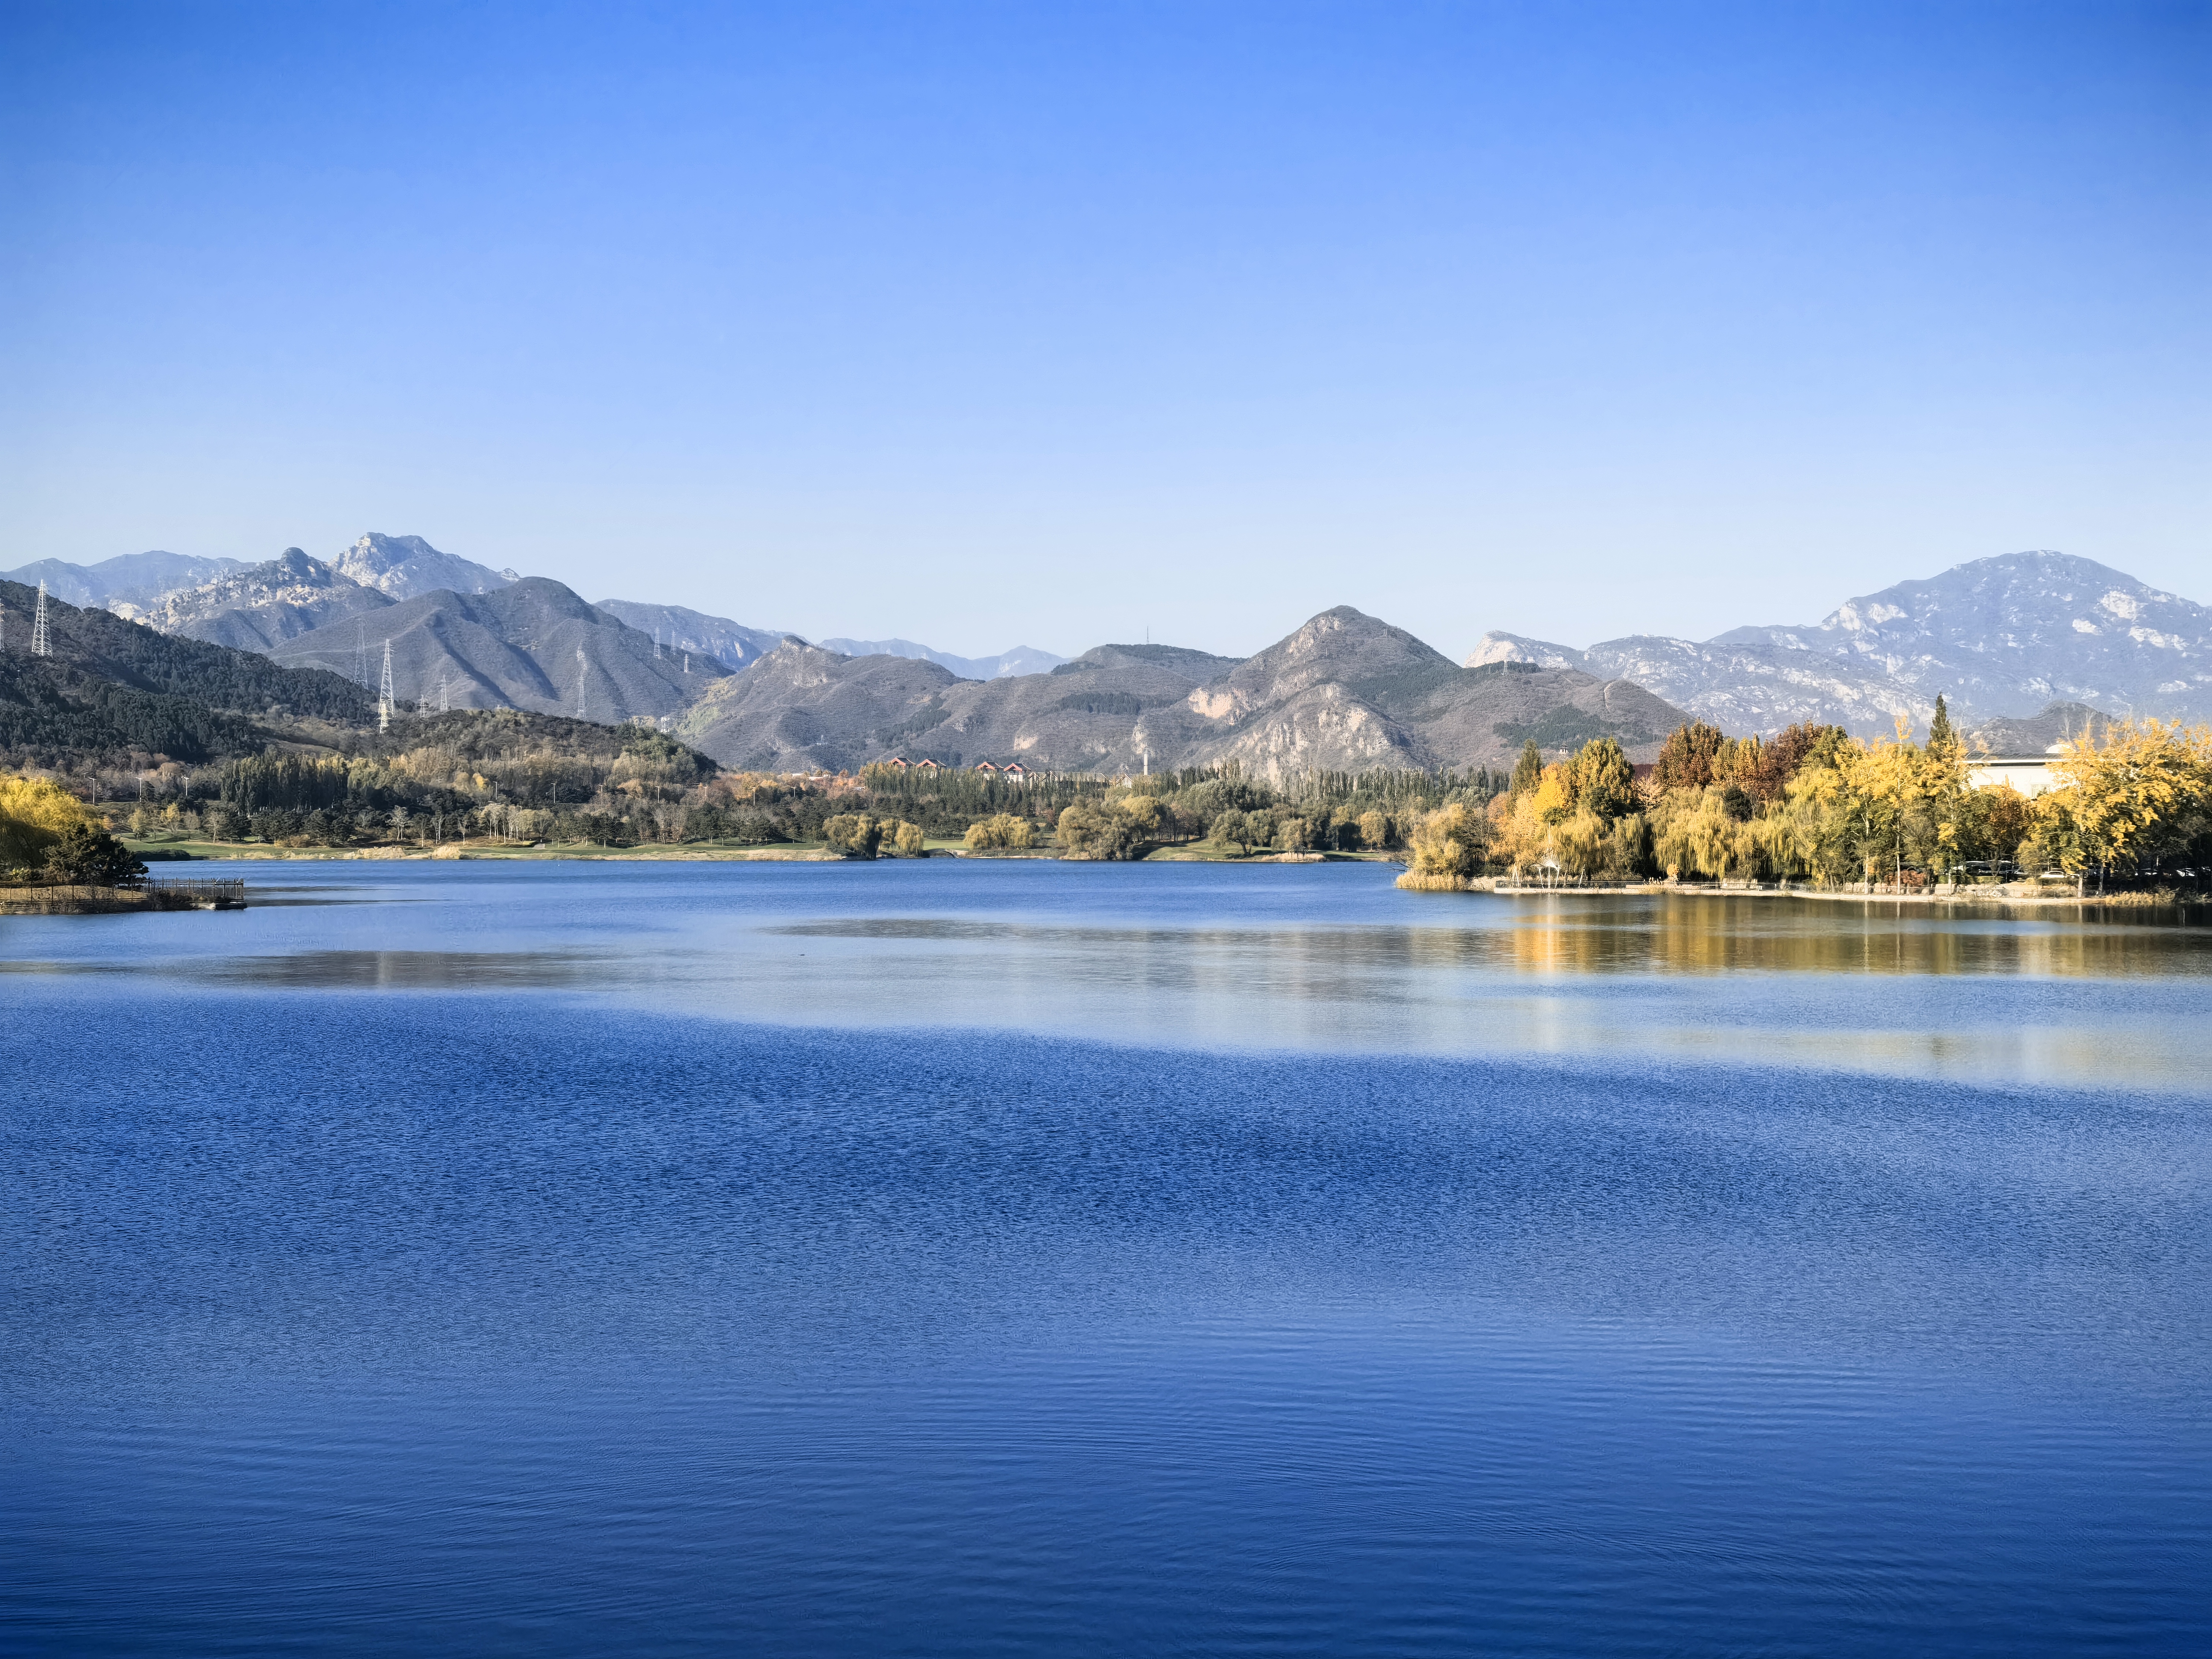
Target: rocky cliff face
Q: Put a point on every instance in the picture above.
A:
(1999, 638)
(406, 567)
(260, 605)
(1344, 692)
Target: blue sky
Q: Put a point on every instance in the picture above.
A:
(998, 324)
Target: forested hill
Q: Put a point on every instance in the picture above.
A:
(112, 687)
(130, 654)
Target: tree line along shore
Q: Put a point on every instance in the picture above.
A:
(1811, 806)
(1814, 806)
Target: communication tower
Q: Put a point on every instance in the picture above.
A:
(40, 645)
(384, 697)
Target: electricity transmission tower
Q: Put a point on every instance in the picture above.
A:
(581, 670)
(360, 655)
(384, 697)
(656, 645)
(444, 706)
(40, 645)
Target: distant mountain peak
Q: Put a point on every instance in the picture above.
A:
(1021, 660)
(2000, 637)
(402, 566)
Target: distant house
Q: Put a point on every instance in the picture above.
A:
(926, 765)
(896, 763)
(1015, 769)
(985, 766)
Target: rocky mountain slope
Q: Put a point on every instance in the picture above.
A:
(1021, 660)
(718, 639)
(127, 579)
(253, 607)
(532, 644)
(2004, 636)
(1999, 638)
(1344, 692)
(1738, 688)
(407, 566)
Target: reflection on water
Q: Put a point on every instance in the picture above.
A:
(1605, 935)
(1328, 957)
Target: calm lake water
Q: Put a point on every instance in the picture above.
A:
(1020, 1258)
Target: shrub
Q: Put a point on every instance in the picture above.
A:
(1111, 832)
(1451, 841)
(1001, 832)
(854, 835)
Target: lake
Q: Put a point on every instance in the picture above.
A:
(1013, 1257)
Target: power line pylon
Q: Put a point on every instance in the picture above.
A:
(40, 647)
(582, 669)
(444, 705)
(384, 697)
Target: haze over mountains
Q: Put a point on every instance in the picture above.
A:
(1021, 660)
(2004, 639)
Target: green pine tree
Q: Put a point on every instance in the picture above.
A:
(1529, 771)
(1939, 734)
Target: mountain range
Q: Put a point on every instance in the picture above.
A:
(530, 644)
(1997, 638)
(127, 579)
(1344, 692)
(1021, 660)
(2001, 638)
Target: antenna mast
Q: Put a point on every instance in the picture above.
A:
(384, 698)
(40, 645)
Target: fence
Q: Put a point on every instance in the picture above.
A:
(224, 892)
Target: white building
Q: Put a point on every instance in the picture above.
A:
(2029, 774)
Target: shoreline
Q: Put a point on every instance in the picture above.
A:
(2006, 897)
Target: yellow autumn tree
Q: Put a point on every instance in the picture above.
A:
(1447, 848)
(2143, 795)
(34, 815)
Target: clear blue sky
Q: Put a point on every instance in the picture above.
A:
(988, 325)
